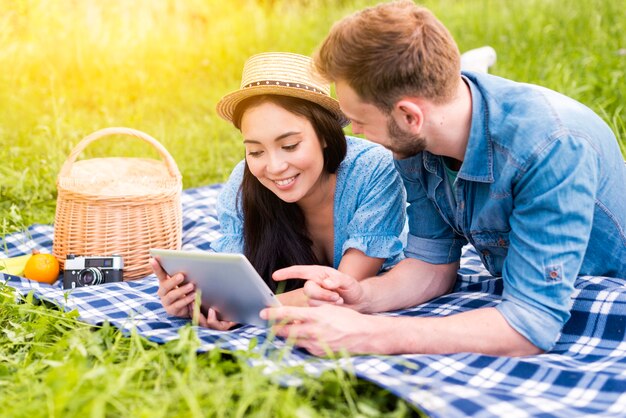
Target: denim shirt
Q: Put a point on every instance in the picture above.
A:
(541, 195)
(368, 210)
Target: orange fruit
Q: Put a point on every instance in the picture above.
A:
(42, 268)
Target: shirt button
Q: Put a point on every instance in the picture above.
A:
(501, 243)
(554, 274)
(485, 253)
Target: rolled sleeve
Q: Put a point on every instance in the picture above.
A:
(228, 244)
(540, 329)
(375, 246)
(434, 251)
(550, 230)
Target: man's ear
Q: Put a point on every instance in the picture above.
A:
(408, 115)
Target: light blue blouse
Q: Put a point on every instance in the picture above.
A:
(369, 207)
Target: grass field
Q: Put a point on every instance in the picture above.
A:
(69, 67)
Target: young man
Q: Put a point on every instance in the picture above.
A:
(532, 179)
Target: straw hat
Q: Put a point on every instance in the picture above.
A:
(280, 73)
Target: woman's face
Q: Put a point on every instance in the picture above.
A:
(282, 151)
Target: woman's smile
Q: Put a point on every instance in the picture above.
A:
(284, 153)
(284, 184)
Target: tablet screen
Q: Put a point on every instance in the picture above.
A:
(226, 282)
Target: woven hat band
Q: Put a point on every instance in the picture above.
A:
(285, 68)
(285, 84)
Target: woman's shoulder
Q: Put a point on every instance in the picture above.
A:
(236, 176)
(231, 187)
(362, 152)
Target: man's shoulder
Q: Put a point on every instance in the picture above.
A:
(523, 118)
(531, 105)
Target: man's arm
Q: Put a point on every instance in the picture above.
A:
(331, 328)
(479, 331)
(411, 282)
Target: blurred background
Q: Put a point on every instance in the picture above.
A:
(70, 67)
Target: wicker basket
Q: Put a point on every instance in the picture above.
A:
(121, 206)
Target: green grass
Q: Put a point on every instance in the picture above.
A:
(71, 67)
(53, 365)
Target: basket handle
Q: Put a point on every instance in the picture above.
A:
(172, 168)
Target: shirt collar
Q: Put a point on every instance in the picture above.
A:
(478, 161)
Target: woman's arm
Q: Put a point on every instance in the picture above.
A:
(370, 216)
(358, 265)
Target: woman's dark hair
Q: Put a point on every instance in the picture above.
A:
(274, 231)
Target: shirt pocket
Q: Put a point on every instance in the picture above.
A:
(492, 247)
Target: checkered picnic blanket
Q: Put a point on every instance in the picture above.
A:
(585, 373)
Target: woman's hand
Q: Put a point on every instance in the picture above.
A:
(176, 299)
(180, 300)
(211, 320)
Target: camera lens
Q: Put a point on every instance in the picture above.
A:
(89, 277)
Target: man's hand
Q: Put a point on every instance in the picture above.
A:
(327, 329)
(330, 329)
(326, 285)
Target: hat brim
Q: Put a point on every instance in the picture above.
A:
(227, 105)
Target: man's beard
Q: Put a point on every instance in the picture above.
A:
(403, 144)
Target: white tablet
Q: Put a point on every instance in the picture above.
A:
(227, 282)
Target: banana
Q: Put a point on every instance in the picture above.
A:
(14, 265)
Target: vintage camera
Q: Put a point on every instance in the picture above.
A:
(90, 271)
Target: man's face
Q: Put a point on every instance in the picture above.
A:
(403, 144)
(375, 125)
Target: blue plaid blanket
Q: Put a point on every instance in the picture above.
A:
(585, 373)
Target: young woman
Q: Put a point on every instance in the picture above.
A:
(305, 194)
